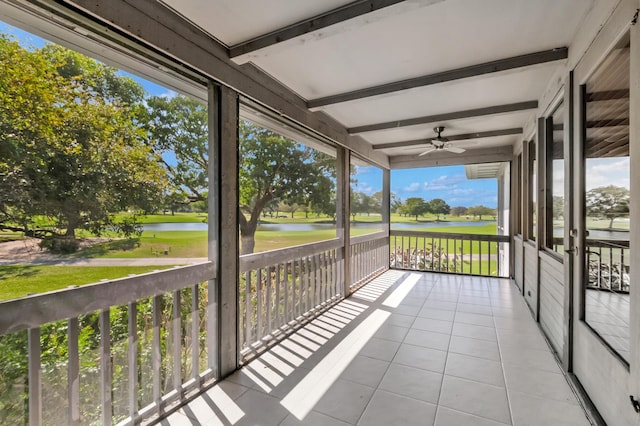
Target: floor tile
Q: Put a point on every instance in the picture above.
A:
(470, 357)
(179, 419)
(530, 411)
(429, 324)
(313, 419)
(475, 398)
(427, 339)
(412, 382)
(443, 306)
(366, 371)
(475, 347)
(474, 331)
(345, 401)
(472, 368)
(533, 340)
(387, 409)
(400, 320)
(260, 409)
(474, 309)
(538, 383)
(474, 319)
(391, 332)
(381, 349)
(438, 314)
(420, 357)
(449, 417)
(529, 358)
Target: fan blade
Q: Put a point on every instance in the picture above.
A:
(454, 149)
(426, 152)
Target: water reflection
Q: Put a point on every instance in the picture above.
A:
(199, 226)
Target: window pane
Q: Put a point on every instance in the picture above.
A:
(533, 191)
(95, 162)
(365, 198)
(287, 190)
(607, 199)
(555, 170)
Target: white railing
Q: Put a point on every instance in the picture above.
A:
(369, 257)
(608, 265)
(113, 352)
(281, 289)
(465, 254)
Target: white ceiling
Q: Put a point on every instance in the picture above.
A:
(410, 39)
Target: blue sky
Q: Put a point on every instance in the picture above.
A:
(448, 183)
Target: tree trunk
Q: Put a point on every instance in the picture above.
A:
(611, 219)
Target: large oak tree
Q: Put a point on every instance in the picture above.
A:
(70, 147)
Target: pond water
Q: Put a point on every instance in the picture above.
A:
(199, 226)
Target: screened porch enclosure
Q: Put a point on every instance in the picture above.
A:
(305, 111)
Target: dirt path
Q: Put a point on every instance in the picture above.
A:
(27, 252)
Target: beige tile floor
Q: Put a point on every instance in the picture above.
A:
(407, 349)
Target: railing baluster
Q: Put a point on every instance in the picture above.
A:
(132, 359)
(195, 332)
(489, 258)
(298, 277)
(106, 367)
(156, 355)
(35, 384)
(249, 308)
(259, 314)
(317, 280)
(287, 305)
(175, 331)
(73, 371)
(277, 300)
(480, 250)
(268, 283)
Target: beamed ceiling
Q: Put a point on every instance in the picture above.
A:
(390, 71)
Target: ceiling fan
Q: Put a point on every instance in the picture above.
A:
(441, 144)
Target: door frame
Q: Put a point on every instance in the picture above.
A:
(604, 376)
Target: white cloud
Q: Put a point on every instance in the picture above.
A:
(443, 182)
(607, 171)
(169, 94)
(412, 187)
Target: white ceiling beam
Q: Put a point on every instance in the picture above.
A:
(514, 62)
(151, 24)
(444, 158)
(478, 112)
(345, 18)
(461, 137)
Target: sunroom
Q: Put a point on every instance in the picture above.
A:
(359, 321)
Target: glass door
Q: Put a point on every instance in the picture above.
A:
(606, 321)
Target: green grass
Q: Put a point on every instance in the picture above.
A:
(19, 281)
(488, 229)
(177, 218)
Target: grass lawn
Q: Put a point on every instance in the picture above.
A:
(177, 218)
(194, 243)
(488, 229)
(18, 281)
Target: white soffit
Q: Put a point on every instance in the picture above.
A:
(459, 95)
(492, 142)
(453, 127)
(235, 21)
(444, 36)
(484, 171)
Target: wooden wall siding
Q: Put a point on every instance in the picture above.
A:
(518, 267)
(531, 277)
(552, 300)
